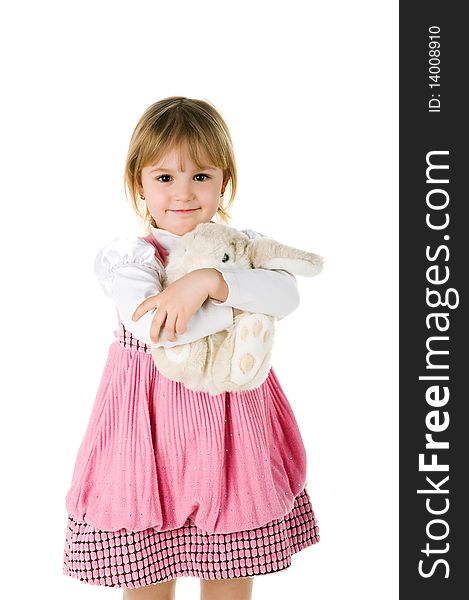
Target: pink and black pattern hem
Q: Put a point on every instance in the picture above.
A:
(122, 559)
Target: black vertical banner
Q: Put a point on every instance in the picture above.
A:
(434, 268)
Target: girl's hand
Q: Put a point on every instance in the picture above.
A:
(176, 304)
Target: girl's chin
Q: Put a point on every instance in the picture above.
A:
(182, 228)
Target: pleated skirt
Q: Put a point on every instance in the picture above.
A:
(186, 538)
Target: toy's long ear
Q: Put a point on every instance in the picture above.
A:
(266, 253)
(240, 246)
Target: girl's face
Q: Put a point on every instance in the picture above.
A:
(180, 200)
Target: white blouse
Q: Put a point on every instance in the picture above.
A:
(129, 272)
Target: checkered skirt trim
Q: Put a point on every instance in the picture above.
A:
(122, 559)
(128, 340)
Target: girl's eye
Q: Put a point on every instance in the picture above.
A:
(198, 175)
(225, 258)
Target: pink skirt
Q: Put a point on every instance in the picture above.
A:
(131, 560)
(164, 476)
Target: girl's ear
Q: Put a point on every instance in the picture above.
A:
(138, 184)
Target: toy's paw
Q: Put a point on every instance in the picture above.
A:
(253, 340)
(178, 354)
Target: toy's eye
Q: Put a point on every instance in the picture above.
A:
(225, 258)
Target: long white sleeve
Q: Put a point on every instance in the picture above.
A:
(267, 291)
(129, 272)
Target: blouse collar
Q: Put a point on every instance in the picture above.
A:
(166, 238)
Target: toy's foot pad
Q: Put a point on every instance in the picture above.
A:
(246, 363)
(251, 346)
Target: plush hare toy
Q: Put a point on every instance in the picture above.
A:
(237, 358)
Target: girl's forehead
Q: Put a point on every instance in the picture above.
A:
(181, 155)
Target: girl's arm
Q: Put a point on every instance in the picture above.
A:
(267, 291)
(129, 272)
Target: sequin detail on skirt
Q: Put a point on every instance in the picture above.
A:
(156, 453)
(130, 560)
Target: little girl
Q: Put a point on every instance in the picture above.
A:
(169, 482)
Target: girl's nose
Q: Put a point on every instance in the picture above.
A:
(184, 192)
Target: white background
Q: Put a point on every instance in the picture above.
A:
(309, 91)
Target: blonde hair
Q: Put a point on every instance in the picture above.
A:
(167, 124)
